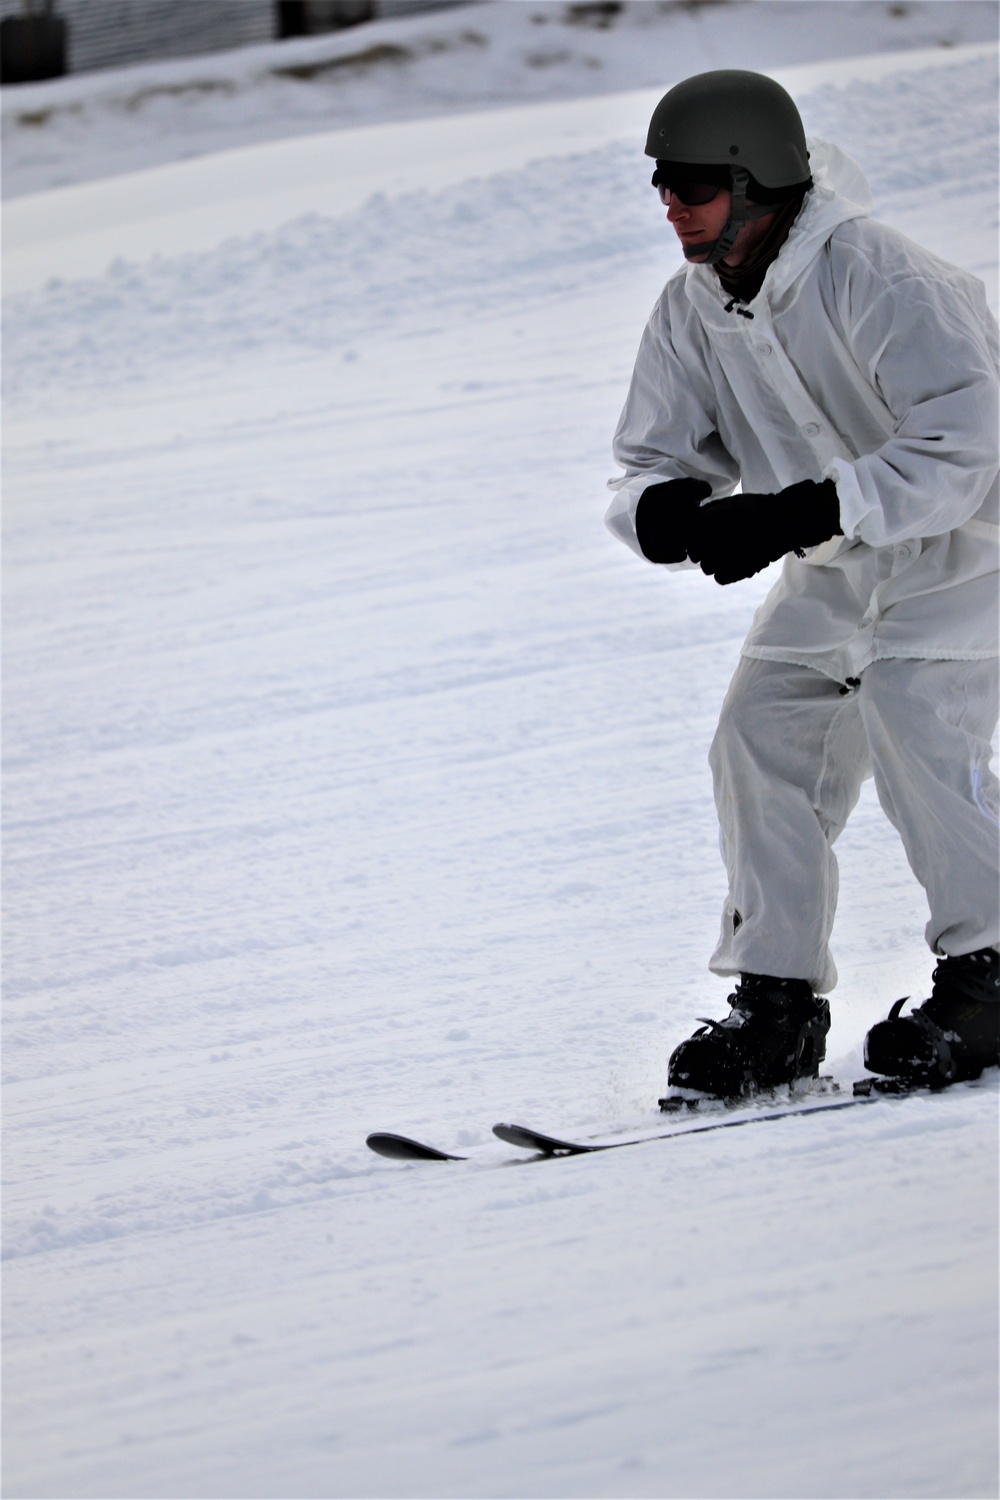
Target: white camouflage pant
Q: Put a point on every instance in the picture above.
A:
(789, 758)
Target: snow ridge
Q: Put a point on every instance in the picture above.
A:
(566, 223)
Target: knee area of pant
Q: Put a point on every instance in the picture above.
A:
(745, 719)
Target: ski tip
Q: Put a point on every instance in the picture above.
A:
(515, 1135)
(535, 1140)
(403, 1148)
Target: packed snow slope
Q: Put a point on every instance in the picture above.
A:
(476, 56)
(355, 778)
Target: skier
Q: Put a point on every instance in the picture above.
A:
(846, 377)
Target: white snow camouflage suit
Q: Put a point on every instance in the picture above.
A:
(869, 361)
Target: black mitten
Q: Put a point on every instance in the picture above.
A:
(664, 518)
(738, 536)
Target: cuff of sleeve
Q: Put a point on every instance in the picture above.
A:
(853, 505)
(619, 517)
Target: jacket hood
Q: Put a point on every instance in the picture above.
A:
(840, 192)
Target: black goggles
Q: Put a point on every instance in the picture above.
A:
(691, 194)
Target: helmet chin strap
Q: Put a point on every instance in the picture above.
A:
(739, 215)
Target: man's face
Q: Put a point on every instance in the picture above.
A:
(702, 223)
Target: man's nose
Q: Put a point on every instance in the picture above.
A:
(675, 208)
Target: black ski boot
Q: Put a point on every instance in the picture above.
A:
(774, 1033)
(953, 1036)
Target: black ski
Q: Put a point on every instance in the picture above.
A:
(403, 1148)
(866, 1091)
(550, 1145)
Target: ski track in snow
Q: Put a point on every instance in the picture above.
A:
(487, 246)
(355, 778)
(476, 56)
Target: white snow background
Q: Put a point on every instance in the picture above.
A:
(355, 778)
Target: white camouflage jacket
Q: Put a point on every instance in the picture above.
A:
(867, 360)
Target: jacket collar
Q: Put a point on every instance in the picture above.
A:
(840, 192)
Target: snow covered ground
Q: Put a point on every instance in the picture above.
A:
(355, 778)
(475, 57)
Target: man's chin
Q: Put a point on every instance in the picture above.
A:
(698, 252)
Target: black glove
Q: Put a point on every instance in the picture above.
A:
(664, 518)
(738, 536)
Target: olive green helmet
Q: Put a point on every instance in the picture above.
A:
(745, 131)
(735, 119)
